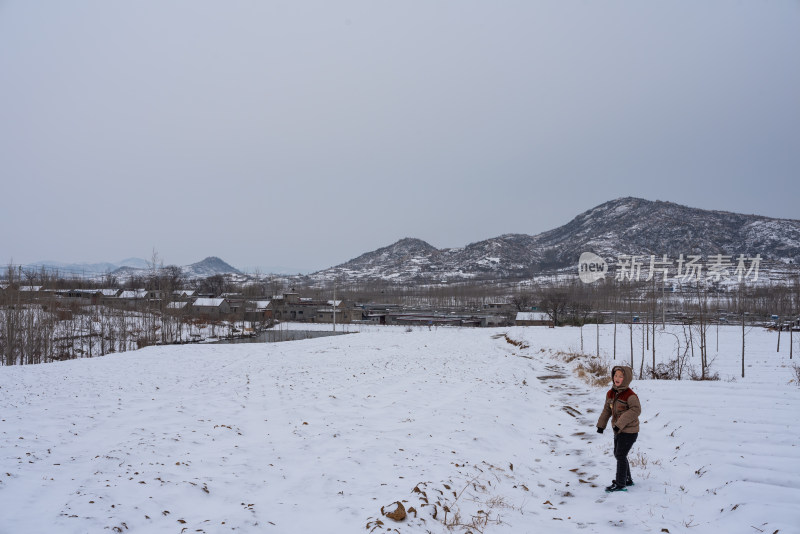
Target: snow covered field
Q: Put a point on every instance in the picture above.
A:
(318, 435)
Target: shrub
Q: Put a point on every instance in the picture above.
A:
(694, 375)
(665, 371)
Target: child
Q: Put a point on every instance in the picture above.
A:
(622, 406)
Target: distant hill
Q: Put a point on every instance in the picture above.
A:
(209, 267)
(202, 269)
(132, 267)
(138, 263)
(637, 226)
(87, 269)
(623, 226)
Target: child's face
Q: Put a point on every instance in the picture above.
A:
(619, 376)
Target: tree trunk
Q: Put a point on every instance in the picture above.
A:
(598, 337)
(742, 344)
(632, 366)
(615, 334)
(653, 372)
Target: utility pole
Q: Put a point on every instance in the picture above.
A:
(663, 301)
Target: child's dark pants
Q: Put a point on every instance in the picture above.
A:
(622, 446)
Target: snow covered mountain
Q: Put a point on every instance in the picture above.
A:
(623, 226)
(637, 226)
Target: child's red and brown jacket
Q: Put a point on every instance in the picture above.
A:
(621, 405)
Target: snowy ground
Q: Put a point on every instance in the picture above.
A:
(318, 435)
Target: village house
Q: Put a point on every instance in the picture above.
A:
(156, 294)
(29, 293)
(494, 320)
(183, 294)
(533, 319)
(497, 307)
(343, 314)
(237, 303)
(132, 298)
(89, 296)
(422, 319)
(293, 307)
(437, 318)
(258, 310)
(180, 307)
(211, 307)
(375, 313)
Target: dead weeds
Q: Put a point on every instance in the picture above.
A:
(591, 369)
(469, 502)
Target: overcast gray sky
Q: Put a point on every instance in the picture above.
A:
(304, 133)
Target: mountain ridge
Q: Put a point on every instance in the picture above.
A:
(623, 226)
(208, 266)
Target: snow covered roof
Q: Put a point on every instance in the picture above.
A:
(334, 303)
(532, 316)
(104, 292)
(210, 303)
(30, 288)
(262, 304)
(177, 305)
(108, 292)
(133, 294)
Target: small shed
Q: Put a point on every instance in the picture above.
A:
(533, 319)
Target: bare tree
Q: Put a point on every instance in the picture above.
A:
(522, 301)
(214, 284)
(580, 313)
(554, 301)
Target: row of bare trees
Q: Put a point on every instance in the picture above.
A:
(46, 329)
(29, 334)
(697, 308)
